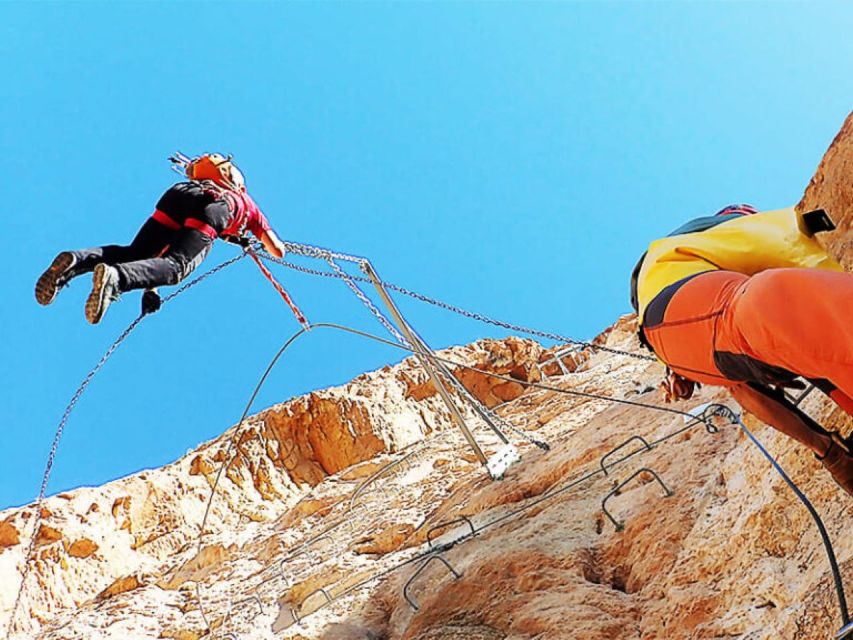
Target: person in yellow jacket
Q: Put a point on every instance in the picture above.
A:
(750, 300)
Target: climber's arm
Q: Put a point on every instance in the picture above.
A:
(783, 416)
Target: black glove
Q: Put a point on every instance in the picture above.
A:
(150, 301)
(242, 241)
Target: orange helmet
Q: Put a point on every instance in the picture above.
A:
(217, 168)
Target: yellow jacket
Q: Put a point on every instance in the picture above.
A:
(746, 244)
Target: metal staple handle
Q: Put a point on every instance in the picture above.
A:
(295, 616)
(620, 525)
(294, 611)
(456, 576)
(717, 410)
(376, 475)
(619, 446)
(321, 590)
(252, 598)
(302, 552)
(444, 525)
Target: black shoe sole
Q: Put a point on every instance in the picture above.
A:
(47, 287)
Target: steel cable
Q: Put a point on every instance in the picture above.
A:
(64, 421)
(457, 310)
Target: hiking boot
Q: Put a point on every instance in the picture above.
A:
(104, 292)
(839, 462)
(57, 276)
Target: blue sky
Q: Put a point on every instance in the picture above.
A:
(514, 159)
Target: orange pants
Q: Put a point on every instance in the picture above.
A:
(725, 328)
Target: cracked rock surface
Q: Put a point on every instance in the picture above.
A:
(324, 499)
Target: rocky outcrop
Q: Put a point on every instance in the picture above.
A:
(328, 504)
(513, 359)
(122, 585)
(9, 535)
(831, 189)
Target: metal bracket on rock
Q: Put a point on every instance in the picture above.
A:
(621, 525)
(420, 570)
(294, 610)
(715, 410)
(499, 463)
(444, 525)
(619, 446)
(846, 633)
(254, 598)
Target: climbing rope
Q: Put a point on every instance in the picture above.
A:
(367, 302)
(306, 250)
(300, 318)
(827, 543)
(67, 414)
(691, 421)
(403, 344)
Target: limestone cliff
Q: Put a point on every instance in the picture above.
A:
(322, 498)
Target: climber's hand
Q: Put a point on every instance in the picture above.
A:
(150, 301)
(675, 387)
(241, 241)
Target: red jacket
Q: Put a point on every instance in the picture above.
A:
(245, 215)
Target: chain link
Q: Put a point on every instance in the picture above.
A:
(463, 392)
(367, 302)
(472, 315)
(350, 280)
(312, 251)
(503, 424)
(64, 421)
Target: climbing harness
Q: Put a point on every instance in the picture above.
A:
(407, 339)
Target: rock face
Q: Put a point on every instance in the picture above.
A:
(348, 513)
(831, 188)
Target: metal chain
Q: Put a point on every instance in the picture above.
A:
(464, 393)
(64, 421)
(313, 251)
(504, 424)
(52, 457)
(204, 276)
(469, 397)
(472, 315)
(367, 302)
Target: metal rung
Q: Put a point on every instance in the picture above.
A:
(619, 446)
(321, 590)
(621, 525)
(558, 358)
(456, 576)
(444, 525)
(238, 603)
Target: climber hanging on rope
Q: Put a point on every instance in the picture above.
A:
(213, 204)
(751, 301)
